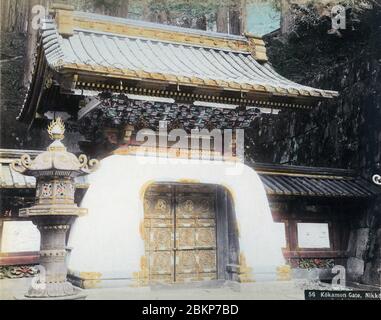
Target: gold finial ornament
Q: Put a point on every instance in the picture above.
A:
(56, 129)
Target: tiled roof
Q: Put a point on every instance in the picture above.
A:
(150, 56)
(84, 54)
(307, 181)
(307, 186)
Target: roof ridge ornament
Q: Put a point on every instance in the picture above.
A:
(63, 15)
(257, 47)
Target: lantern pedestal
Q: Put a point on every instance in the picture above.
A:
(51, 282)
(52, 277)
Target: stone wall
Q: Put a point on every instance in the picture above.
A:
(343, 133)
(364, 248)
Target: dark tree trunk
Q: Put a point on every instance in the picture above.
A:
(123, 9)
(235, 21)
(286, 18)
(13, 15)
(222, 19)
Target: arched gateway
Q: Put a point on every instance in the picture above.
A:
(173, 223)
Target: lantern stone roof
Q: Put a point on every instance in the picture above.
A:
(86, 52)
(10, 179)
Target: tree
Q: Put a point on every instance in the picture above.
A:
(222, 19)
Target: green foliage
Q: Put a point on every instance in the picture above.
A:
(191, 9)
(109, 4)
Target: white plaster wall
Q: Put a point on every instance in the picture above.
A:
(19, 236)
(107, 239)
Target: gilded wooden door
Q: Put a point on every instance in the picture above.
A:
(159, 233)
(180, 233)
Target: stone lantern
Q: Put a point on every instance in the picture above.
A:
(54, 211)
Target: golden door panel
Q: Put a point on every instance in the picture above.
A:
(160, 239)
(205, 223)
(186, 262)
(159, 223)
(185, 207)
(160, 278)
(185, 238)
(186, 223)
(195, 238)
(161, 263)
(207, 261)
(206, 238)
(195, 206)
(207, 276)
(179, 233)
(157, 206)
(192, 265)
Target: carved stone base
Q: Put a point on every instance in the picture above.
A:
(51, 290)
(54, 291)
(78, 296)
